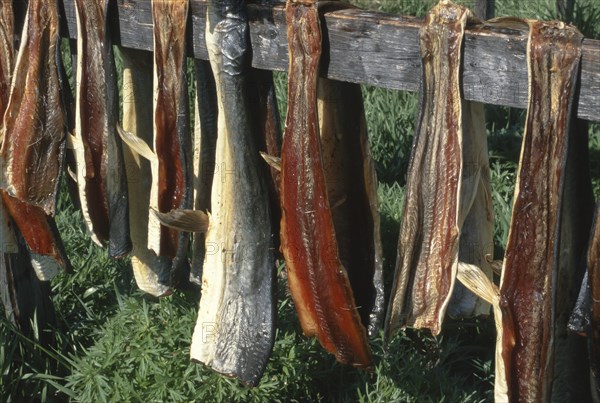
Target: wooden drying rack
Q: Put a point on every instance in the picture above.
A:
(370, 48)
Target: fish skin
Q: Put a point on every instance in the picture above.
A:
(235, 330)
(269, 130)
(352, 189)
(100, 166)
(172, 186)
(205, 144)
(152, 273)
(41, 236)
(476, 245)
(593, 271)
(532, 341)
(34, 122)
(38, 229)
(435, 206)
(317, 280)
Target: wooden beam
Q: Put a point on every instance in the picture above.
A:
(372, 48)
(484, 9)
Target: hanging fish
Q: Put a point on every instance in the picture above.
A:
(34, 122)
(318, 281)
(351, 184)
(152, 273)
(171, 169)
(593, 270)
(25, 297)
(38, 230)
(98, 151)
(536, 359)
(235, 330)
(205, 143)
(447, 214)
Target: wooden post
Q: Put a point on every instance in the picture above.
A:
(564, 8)
(485, 9)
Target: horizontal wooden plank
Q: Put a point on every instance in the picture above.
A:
(371, 48)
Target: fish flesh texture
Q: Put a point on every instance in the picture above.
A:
(351, 184)
(98, 151)
(171, 169)
(235, 330)
(447, 214)
(48, 254)
(152, 273)
(24, 296)
(317, 279)
(34, 122)
(39, 230)
(205, 143)
(544, 243)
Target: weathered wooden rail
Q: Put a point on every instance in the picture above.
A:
(372, 48)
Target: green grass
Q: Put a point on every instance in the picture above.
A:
(116, 344)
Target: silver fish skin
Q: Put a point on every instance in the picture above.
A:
(235, 330)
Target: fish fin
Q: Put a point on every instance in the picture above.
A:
(136, 144)
(274, 162)
(71, 141)
(71, 174)
(184, 220)
(473, 278)
(338, 203)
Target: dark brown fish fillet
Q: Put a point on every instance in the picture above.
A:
(235, 330)
(100, 167)
(593, 264)
(41, 235)
(434, 206)
(318, 281)
(171, 173)
(205, 143)
(34, 122)
(352, 191)
(537, 264)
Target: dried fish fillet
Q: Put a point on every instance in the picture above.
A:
(98, 151)
(235, 330)
(152, 273)
(593, 264)
(39, 230)
(352, 189)
(48, 255)
(447, 186)
(544, 244)
(171, 170)
(318, 281)
(34, 122)
(205, 143)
